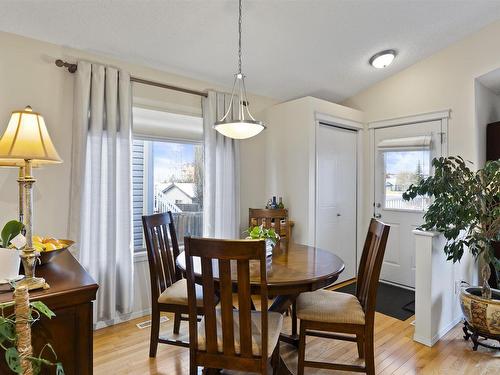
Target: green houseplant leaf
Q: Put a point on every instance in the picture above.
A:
(13, 360)
(7, 330)
(43, 309)
(10, 230)
(259, 232)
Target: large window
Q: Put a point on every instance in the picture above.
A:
(168, 176)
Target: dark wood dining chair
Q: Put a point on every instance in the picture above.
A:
(227, 338)
(323, 312)
(168, 288)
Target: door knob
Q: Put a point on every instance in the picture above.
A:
(377, 216)
(338, 214)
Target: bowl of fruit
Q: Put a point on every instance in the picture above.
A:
(49, 247)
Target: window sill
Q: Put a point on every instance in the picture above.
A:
(140, 256)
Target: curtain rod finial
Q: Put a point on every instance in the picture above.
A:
(63, 64)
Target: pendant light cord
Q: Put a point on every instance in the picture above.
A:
(239, 90)
(239, 39)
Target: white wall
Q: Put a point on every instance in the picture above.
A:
(487, 111)
(28, 75)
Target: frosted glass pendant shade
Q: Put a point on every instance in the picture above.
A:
(239, 129)
(27, 138)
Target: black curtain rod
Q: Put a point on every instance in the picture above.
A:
(72, 68)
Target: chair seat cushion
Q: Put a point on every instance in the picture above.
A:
(177, 294)
(275, 322)
(330, 307)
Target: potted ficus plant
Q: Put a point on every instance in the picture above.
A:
(466, 210)
(268, 234)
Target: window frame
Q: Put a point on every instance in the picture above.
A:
(148, 189)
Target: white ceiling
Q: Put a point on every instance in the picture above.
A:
(290, 48)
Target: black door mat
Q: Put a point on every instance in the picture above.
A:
(391, 300)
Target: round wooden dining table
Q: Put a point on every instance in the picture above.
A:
(291, 270)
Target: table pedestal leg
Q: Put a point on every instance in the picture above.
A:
(281, 304)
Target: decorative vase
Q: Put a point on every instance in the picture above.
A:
(9, 264)
(480, 313)
(269, 247)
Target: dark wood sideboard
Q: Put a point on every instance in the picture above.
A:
(70, 296)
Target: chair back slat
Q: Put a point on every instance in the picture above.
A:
(167, 257)
(245, 306)
(370, 266)
(158, 228)
(209, 305)
(232, 260)
(226, 303)
(158, 274)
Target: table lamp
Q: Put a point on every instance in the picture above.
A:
(26, 142)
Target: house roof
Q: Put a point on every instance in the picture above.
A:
(187, 188)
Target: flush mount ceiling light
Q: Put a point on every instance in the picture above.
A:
(383, 59)
(245, 125)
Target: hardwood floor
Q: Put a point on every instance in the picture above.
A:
(124, 348)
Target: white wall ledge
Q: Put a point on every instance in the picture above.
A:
(436, 304)
(426, 233)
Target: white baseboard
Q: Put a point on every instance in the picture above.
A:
(121, 318)
(423, 340)
(431, 341)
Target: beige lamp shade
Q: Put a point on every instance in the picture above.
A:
(27, 138)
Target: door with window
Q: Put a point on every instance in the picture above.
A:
(403, 156)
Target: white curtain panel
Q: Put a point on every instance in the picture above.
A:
(221, 196)
(101, 184)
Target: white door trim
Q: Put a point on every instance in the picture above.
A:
(424, 117)
(360, 202)
(338, 121)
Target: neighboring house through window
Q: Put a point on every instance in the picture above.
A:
(167, 170)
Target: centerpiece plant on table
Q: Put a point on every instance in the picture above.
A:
(270, 235)
(465, 209)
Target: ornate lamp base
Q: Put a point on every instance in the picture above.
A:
(29, 258)
(33, 283)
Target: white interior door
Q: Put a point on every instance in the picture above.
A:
(336, 154)
(403, 155)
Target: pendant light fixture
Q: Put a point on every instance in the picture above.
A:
(245, 125)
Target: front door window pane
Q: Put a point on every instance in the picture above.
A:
(401, 169)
